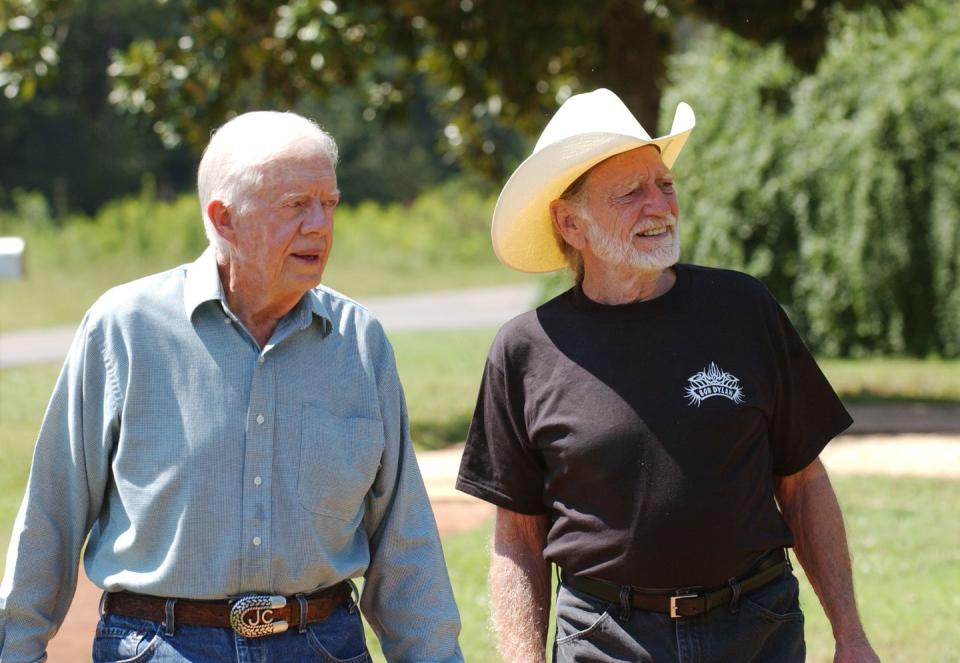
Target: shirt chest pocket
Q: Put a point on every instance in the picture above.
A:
(339, 459)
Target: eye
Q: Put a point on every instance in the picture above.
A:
(330, 204)
(296, 203)
(667, 186)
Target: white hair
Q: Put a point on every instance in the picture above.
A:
(233, 163)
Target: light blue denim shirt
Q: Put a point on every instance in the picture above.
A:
(203, 467)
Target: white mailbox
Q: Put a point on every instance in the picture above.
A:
(11, 257)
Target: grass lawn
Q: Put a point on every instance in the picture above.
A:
(440, 373)
(903, 531)
(892, 379)
(441, 376)
(66, 297)
(906, 551)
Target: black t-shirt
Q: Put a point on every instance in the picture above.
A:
(650, 433)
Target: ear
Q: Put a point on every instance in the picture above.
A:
(568, 222)
(221, 217)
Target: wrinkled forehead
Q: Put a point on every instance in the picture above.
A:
(635, 163)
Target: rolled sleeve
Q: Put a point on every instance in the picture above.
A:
(407, 597)
(64, 494)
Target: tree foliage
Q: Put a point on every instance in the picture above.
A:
(63, 137)
(497, 65)
(838, 188)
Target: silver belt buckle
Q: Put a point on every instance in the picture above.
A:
(253, 617)
(673, 604)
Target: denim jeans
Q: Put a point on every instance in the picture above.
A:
(766, 625)
(337, 638)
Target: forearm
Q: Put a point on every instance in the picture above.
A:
(812, 512)
(407, 597)
(520, 587)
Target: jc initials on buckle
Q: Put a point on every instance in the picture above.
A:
(673, 604)
(252, 616)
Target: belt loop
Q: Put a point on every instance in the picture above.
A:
(624, 603)
(354, 596)
(736, 589)
(302, 602)
(168, 623)
(102, 608)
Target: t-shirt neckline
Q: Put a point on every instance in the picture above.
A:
(581, 302)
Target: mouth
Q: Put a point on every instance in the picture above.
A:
(659, 231)
(307, 257)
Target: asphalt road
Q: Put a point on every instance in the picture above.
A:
(439, 310)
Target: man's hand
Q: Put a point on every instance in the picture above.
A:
(810, 508)
(856, 651)
(520, 586)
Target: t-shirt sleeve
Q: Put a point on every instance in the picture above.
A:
(807, 411)
(499, 463)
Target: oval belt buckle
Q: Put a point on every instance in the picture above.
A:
(252, 616)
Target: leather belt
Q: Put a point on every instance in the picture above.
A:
(251, 616)
(688, 602)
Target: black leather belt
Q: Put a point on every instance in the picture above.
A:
(683, 602)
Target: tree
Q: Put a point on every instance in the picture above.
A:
(496, 65)
(837, 188)
(63, 137)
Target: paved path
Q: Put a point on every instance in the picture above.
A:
(439, 310)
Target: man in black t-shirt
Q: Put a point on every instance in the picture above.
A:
(654, 431)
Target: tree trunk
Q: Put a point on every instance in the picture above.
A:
(633, 46)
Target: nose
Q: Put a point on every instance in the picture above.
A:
(318, 219)
(657, 203)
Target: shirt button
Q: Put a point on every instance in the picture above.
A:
(260, 359)
(257, 541)
(257, 481)
(259, 418)
(226, 321)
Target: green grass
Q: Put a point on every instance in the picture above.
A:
(439, 240)
(468, 560)
(441, 377)
(24, 393)
(440, 373)
(64, 298)
(893, 379)
(906, 552)
(903, 532)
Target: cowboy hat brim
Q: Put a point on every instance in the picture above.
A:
(522, 231)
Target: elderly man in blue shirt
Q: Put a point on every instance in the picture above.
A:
(230, 439)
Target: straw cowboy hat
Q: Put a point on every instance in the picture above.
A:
(587, 129)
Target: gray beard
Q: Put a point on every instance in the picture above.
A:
(614, 251)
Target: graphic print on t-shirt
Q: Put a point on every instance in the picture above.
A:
(713, 381)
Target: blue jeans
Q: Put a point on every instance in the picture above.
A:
(765, 626)
(337, 638)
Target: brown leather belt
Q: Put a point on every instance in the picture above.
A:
(684, 602)
(251, 616)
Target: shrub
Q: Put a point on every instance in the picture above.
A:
(840, 189)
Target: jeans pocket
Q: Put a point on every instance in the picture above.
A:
(578, 615)
(120, 640)
(777, 602)
(339, 459)
(339, 638)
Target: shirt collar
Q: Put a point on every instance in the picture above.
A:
(203, 285)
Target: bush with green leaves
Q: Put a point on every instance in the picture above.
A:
(840, 189)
